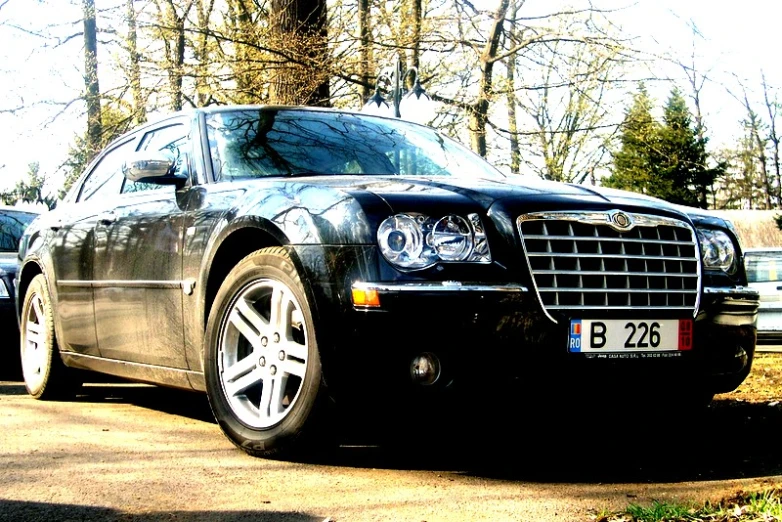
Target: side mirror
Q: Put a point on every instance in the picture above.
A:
(152, 167)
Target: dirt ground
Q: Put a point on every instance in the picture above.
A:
(135, 452)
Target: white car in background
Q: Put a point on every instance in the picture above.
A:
(764, 274)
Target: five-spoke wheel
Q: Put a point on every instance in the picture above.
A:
(262, 364)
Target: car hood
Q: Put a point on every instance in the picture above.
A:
(519, 193)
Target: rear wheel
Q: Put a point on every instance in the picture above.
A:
(45, 375)
(262, 364)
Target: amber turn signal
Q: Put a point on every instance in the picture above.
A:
(365, 297)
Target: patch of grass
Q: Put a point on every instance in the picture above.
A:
(660, 512)
(744, 506)
(764, 383)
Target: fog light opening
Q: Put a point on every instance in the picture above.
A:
(742, 356)
(425, 369)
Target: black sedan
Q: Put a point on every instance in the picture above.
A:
(296, 262)
(13, 221)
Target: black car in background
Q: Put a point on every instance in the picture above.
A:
(295, 262)
(13, 222)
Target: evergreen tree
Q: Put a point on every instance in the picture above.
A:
(685, 176)
(668, 161)
(636, 162)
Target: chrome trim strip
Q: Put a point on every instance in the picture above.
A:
(604, 239)
(76, 355)
(444, 286)
(585, 307)
(737, 291)
(604, 218)
(122, 284)
(596, 272)
(618, 290)
(611, 256)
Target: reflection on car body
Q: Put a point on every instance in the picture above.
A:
(764, 274)
(294, 262)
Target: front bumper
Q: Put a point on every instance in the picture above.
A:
(493, 334)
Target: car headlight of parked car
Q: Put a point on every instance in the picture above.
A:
(416, 241)
(4, 294)
(717, 250)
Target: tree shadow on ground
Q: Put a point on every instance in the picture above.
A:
(12, 510)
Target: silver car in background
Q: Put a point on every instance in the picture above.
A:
(764, 274)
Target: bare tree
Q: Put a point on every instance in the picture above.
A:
(772, 108)
(755, 129)
(171, 30)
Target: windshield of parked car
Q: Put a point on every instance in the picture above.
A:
(763, 267)
(12, 225)
(274, 142)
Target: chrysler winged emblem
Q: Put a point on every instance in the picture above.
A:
(621, 221)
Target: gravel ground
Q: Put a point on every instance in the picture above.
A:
(136, 452)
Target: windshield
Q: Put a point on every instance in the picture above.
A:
(763, 267)
(12, 225)
(273, 142)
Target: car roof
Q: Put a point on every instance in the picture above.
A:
(9, 208)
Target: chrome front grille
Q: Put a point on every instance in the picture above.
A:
(611, 261)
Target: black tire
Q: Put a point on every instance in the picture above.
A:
(269, 397)
(45, 375)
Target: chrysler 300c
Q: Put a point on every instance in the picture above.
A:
(291, 262)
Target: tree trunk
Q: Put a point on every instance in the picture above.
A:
(515, 153)
(299, 27)
(415, 59)
(178, 63)
(134, 73)
(92, 87)
(479, 112)
(364, 50)
(175, 55)
(201, 53)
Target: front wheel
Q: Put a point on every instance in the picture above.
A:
(262, 365)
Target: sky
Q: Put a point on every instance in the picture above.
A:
(735, 42)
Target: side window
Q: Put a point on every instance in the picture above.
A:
(172, 139)
(106, 178)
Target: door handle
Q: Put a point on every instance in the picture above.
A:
(107, 218)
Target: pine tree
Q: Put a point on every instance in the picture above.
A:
(668, 161)
(685, 177)
(636, 162)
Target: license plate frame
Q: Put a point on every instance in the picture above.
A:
(595, 336)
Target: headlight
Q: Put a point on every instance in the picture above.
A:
(4, 290)
(717, 250)
(416, 241)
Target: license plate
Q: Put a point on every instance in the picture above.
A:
(622, 335)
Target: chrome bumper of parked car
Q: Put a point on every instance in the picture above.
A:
(442, 286)
(730, 306)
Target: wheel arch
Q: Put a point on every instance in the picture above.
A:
(235, 244)
(23, 279)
